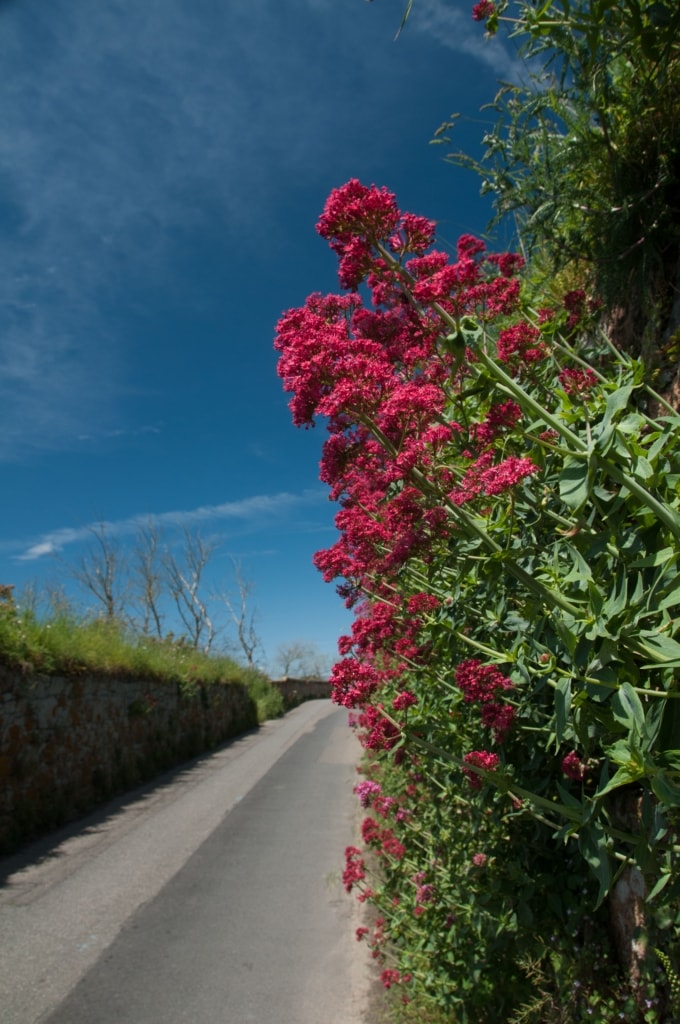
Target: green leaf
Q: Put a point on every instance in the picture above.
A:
(662, 649)
(671, 759)
(660, 885)
(627, 708)
(653, 723)
(643, 470)
(660, 557)
(666, 789)
(404, 18)
(575, 482)
(593, 845)
(671, 599)
(617, 401)
(618, 599)
(623, 777)
(669, 732)
(568, 798)
(562, 707)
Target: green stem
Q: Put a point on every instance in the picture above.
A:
(496, 655)
(661, 511)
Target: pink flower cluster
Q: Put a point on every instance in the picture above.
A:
(486, 479)
(521, 345)
(366, 790)
(390, 977)
(482, 684)
(479, 759)
(573, 767)
(379, 733)
(483, 10)
(355, 869)
(383, 839)
(578, 383)
(379, 377)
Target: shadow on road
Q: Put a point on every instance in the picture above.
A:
(50, 847)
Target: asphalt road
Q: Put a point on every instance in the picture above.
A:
(212, 896)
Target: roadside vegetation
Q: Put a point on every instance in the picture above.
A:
(504, 446)
(65, 644)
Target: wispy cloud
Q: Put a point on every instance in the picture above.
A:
(256, 512)
(127, 126)
(454, 28)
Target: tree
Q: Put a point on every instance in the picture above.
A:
(100, 572)
(149, 579)
(241, 615)
(185, 576)
(302, 659)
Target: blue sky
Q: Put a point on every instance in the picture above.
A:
(162, 167)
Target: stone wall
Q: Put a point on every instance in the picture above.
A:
(67, 744)
(295, 691)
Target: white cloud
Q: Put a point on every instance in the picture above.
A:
(455, 29)
(39, 550)
(256, 512)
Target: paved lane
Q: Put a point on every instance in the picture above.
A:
(238, 916)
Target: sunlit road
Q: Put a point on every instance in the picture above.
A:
(213, 896)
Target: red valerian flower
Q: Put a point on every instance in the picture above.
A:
(483, 10)
(485, 480)
(370, 831)
(500, 478)
(358, 211)
(480, 683)
(354, 868)
(352, 682)
(573, 767)
(521, 343)
(499, 718)
(365, 790)
(391, 845)
(390, 977)
(469, 246)
(415, 234)
(578, 383)
(404, 700)
(509, 263)
(483, 759)
(501, 416)
(382, 734)
(575, 305)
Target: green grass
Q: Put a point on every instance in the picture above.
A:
(65, 643)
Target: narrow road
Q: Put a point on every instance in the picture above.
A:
(212, 896)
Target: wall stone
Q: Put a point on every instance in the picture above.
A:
(295, 691)
(69, 743)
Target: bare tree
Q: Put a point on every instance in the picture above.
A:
(302, 659)
(149, 574)
(242, 616)
(185, 575)
(100, 572)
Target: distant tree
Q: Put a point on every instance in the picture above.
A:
(185, 576)
(101, 572)
(149, 577)
(242, 615)
(302, 660)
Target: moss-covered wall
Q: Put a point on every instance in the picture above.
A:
(69, 743)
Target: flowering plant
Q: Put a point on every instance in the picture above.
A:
(508, 537)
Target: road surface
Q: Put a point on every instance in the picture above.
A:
(213, 895)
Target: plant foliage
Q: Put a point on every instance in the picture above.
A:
(509, 534)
